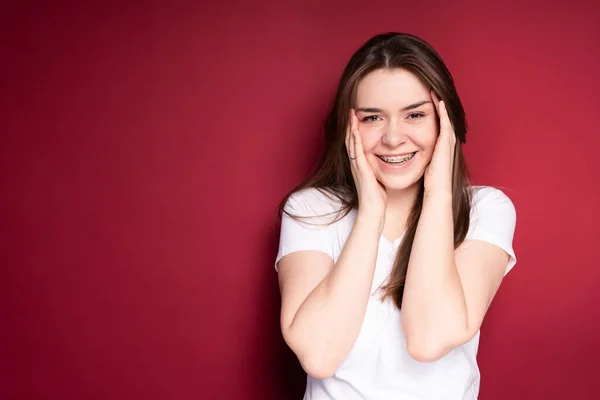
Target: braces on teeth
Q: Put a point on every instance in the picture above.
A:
(397, 159)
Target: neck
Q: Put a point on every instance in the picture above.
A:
(399, 205)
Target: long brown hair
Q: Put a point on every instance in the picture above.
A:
(332, 174)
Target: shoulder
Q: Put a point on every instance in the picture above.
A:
(492, 213)
(491, 199)
(313, 203)
(493, 220)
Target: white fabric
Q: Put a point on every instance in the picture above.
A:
(378, 367)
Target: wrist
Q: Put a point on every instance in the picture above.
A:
(370, 221)
(441, 196)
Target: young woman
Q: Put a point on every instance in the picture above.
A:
(388, 257)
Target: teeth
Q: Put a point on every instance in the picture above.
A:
(399, 159)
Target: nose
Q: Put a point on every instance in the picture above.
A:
(394, 134)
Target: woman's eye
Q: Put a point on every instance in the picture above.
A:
(415, 115)
(370, 118)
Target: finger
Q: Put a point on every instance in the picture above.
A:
(358, 148)
(436, 103)
(445, 124)
(352, 151)
(435, 99)
(347, 139)
(440, 106)
(349, 144)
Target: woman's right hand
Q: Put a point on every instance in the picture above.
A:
(372, 196)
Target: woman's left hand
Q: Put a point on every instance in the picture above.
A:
(438, 175)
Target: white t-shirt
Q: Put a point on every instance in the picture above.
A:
(379, 367)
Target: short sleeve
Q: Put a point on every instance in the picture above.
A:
(493, 220)
(314, 229)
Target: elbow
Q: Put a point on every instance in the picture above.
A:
(317, 367)
(315, 362)
(425, 353)
(430, 350)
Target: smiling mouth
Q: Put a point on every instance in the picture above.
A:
(397, 160)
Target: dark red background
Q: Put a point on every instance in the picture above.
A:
(145, 148)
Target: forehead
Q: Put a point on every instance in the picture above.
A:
(390, 86)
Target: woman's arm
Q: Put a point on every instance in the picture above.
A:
(323, 305)
(447, 292)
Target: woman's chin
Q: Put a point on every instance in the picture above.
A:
(401, 177)
(399, 183)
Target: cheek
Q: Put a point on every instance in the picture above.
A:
(370, 139)
(427, 138)
(429, 145)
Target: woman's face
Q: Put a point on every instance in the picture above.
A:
(397, 122)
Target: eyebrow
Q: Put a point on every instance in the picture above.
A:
(378, 110)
